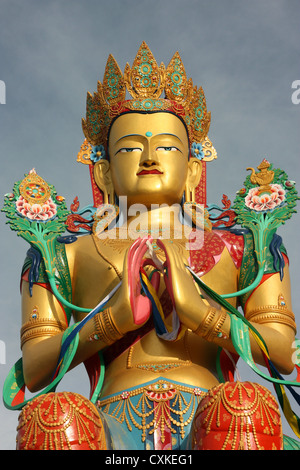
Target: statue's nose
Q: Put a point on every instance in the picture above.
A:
(149, 157)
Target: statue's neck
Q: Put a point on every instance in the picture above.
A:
(161, 221)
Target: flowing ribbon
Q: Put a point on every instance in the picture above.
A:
(14, 385)
(240, 329)
(163, 330)
(241, 341)
(79, 326)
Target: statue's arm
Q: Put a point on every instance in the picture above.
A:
(41, 337)
(41, 340)
(275, 324)
(269, 309)
(214, 324)
(43, 325)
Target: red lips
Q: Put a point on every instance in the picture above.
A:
(149, 172)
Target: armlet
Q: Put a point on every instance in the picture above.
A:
(276, 259)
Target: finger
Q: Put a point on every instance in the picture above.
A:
(138, 256)
(131, 251)
(142, 249)
(170, 251)
(168, 275)
(131, 267)
(136, 253)
(141, 305)
(136, 261)
(179, 259)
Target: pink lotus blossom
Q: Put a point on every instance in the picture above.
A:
(38, 212)
(267, 200)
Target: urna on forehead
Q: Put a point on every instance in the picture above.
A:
(153, 127)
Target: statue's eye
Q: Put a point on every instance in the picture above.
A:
(129, 149)
(167, 149)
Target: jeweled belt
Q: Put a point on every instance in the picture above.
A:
(159, 410)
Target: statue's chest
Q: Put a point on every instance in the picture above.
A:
(202, 255)
(208, 255)
(113, 251)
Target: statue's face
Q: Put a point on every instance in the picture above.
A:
(149, 158)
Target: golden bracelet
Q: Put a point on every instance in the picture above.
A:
(270, 309)
(211, 327)
(215, 329)
(36, 328)
(279, 317)
(272, 313)
(204, 325)
(105, 329)
(41, 323)
(38, 333)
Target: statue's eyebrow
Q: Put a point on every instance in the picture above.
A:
(129, 135)
(139, 135)
(173, 135)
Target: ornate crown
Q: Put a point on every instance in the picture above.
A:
(146, 82)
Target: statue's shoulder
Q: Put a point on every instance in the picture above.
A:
(85, 256)
(75, 245)
(66, 250)
(79, 249)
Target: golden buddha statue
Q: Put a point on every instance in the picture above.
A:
(153, 151)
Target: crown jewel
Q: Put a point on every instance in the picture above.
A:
(145, 82)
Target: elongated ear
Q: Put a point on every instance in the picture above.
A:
(103, 180)
(193, 179)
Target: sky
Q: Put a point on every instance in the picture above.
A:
(244, 54)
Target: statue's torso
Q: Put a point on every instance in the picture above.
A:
(96, 267)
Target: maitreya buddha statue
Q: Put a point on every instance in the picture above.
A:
(154, 282)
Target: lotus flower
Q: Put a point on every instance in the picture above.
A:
(265, 201)
(38, 212)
